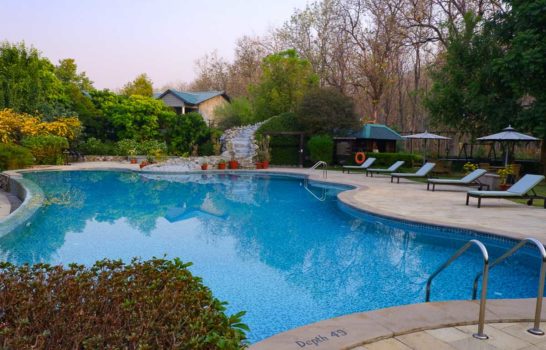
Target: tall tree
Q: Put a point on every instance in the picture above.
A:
(521, 31)
(27, 80)
(467, 93)
(142, 85)
(285, 79)
(67, 72)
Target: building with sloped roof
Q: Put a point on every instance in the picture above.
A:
(371, 138)
(203, 102)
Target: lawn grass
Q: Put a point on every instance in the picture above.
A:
(540, 189)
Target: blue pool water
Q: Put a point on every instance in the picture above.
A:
(263, 243)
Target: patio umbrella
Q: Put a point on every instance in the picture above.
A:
(508, 136)
(426, 136)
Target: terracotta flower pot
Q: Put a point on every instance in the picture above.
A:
(133, 161)
(504, 187)
(204, 166)
(265, 164)
(143, 164)
(259, 165)
(233, 164)
(221, 165)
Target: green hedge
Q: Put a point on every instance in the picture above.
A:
(321, 147)
(284, 148)
(93, 146)
(386, 159)
(155, 304)
(282, 122)
(14, 157)
(46, 149)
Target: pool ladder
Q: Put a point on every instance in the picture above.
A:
(322, 196)
(324, 166)
(485, 278)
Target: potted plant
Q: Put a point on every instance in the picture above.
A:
(503, 174)
(469, 167)
(221, 164)
(143, 164)
(204, 166)
(233, 164)
(263, 151)
(132, 155)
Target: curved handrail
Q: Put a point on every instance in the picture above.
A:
(319, 164)
(485, 273)
(538, 309)
(322, 197)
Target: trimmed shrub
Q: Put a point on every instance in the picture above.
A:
(386, 159)
(14, 157)
(282, 122)
(127, 147)
(327, 111)
(46, 149)
(321, 147)
(284, 148)
(155, 304)
(92, 146)
(156, 151)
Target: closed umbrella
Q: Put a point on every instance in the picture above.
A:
(508, 136)
(426, 136)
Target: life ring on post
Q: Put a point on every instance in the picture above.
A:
(360, 157)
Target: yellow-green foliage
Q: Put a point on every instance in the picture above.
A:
(15, 126)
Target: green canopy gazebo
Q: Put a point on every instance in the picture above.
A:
(372, 137)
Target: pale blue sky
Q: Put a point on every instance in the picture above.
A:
(115, 40)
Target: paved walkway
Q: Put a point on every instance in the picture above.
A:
(410, 200)
(501, 336)
(5, 205)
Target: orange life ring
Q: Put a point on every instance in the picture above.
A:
(360, 157)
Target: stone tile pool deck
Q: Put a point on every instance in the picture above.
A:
(442, 325)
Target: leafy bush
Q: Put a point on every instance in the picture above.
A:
(154, 150)
(327, 111)
(183, 132)
(155, 304)
(14, 157)
(97, 147)
(284, 148)
(127, 148)
(321, 147)
(282, 122)
(46, 149)
(238, 112)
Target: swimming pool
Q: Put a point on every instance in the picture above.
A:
(264, 243)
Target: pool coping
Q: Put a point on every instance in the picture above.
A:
(360, 328)
(367, 327)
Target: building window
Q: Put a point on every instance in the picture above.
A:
(178, 110)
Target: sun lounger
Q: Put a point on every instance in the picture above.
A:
(421, 172)
(362, 166)
(471, 179)
(524, 189)
(389, 170)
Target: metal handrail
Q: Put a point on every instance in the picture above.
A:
(538, 309)
(485, 273)
(324, 165)
(322, 198)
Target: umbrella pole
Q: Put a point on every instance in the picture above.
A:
(425, 153)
